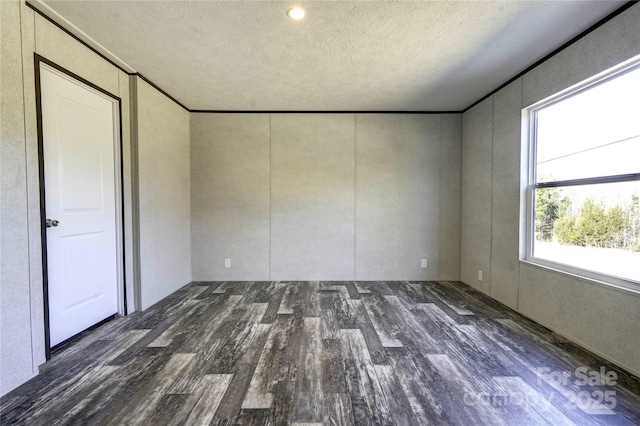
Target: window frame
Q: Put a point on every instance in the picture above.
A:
(529, 176)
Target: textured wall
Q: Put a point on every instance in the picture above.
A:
(312, 196)
(612, 43)
(505, 214)
(293, 187)
(164, 177)
(599, 317)
(230, 196)
(450, 196)
(33, 188)
(15, 316)
(477, 160)
(398, 196)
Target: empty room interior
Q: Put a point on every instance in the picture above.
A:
(320, 213)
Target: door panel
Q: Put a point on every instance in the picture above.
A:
(79, 146)
(83, 274)
(80, 162)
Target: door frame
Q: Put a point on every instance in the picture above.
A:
(119, 191)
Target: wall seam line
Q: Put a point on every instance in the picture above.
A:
(461, 198)
(135, 193)
(355, 191)
(26, 180)
(493, 125)
(441, 198)
(270, 196)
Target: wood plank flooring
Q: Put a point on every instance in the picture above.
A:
(325, 353)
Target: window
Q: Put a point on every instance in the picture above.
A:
(583, 192)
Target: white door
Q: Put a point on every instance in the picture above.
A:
(80, 144)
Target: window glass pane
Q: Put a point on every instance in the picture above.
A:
(591, 134)
(592, 227)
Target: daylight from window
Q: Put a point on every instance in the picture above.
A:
(587, 207)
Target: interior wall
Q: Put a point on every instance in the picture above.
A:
(398, 189)
(325, 196)
(477, 160)
(230, 196)
(164, 181)
(16, 363)
(312, 196)
(600, 318)
(450, 197)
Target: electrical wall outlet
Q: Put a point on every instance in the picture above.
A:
(227, 263)
(423, 264)
(479, 275)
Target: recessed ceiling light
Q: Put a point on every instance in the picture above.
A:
(296, 13)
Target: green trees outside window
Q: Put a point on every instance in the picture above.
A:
(592, 223)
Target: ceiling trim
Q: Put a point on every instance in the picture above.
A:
(68, 27)
(45, 11)
(155, 86)
(595, 26)
(210, 111)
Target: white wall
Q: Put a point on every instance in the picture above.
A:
(477, 149)
(164, 179)
(312, 196)
(398, 196)
(450, 197)
(16, 364)
(325, 196)
(230, 195)
(600, 318)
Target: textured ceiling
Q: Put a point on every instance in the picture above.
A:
(364, 56)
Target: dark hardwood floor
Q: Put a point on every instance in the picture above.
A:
(332, 353)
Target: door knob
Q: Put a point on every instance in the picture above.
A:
(49, 223)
